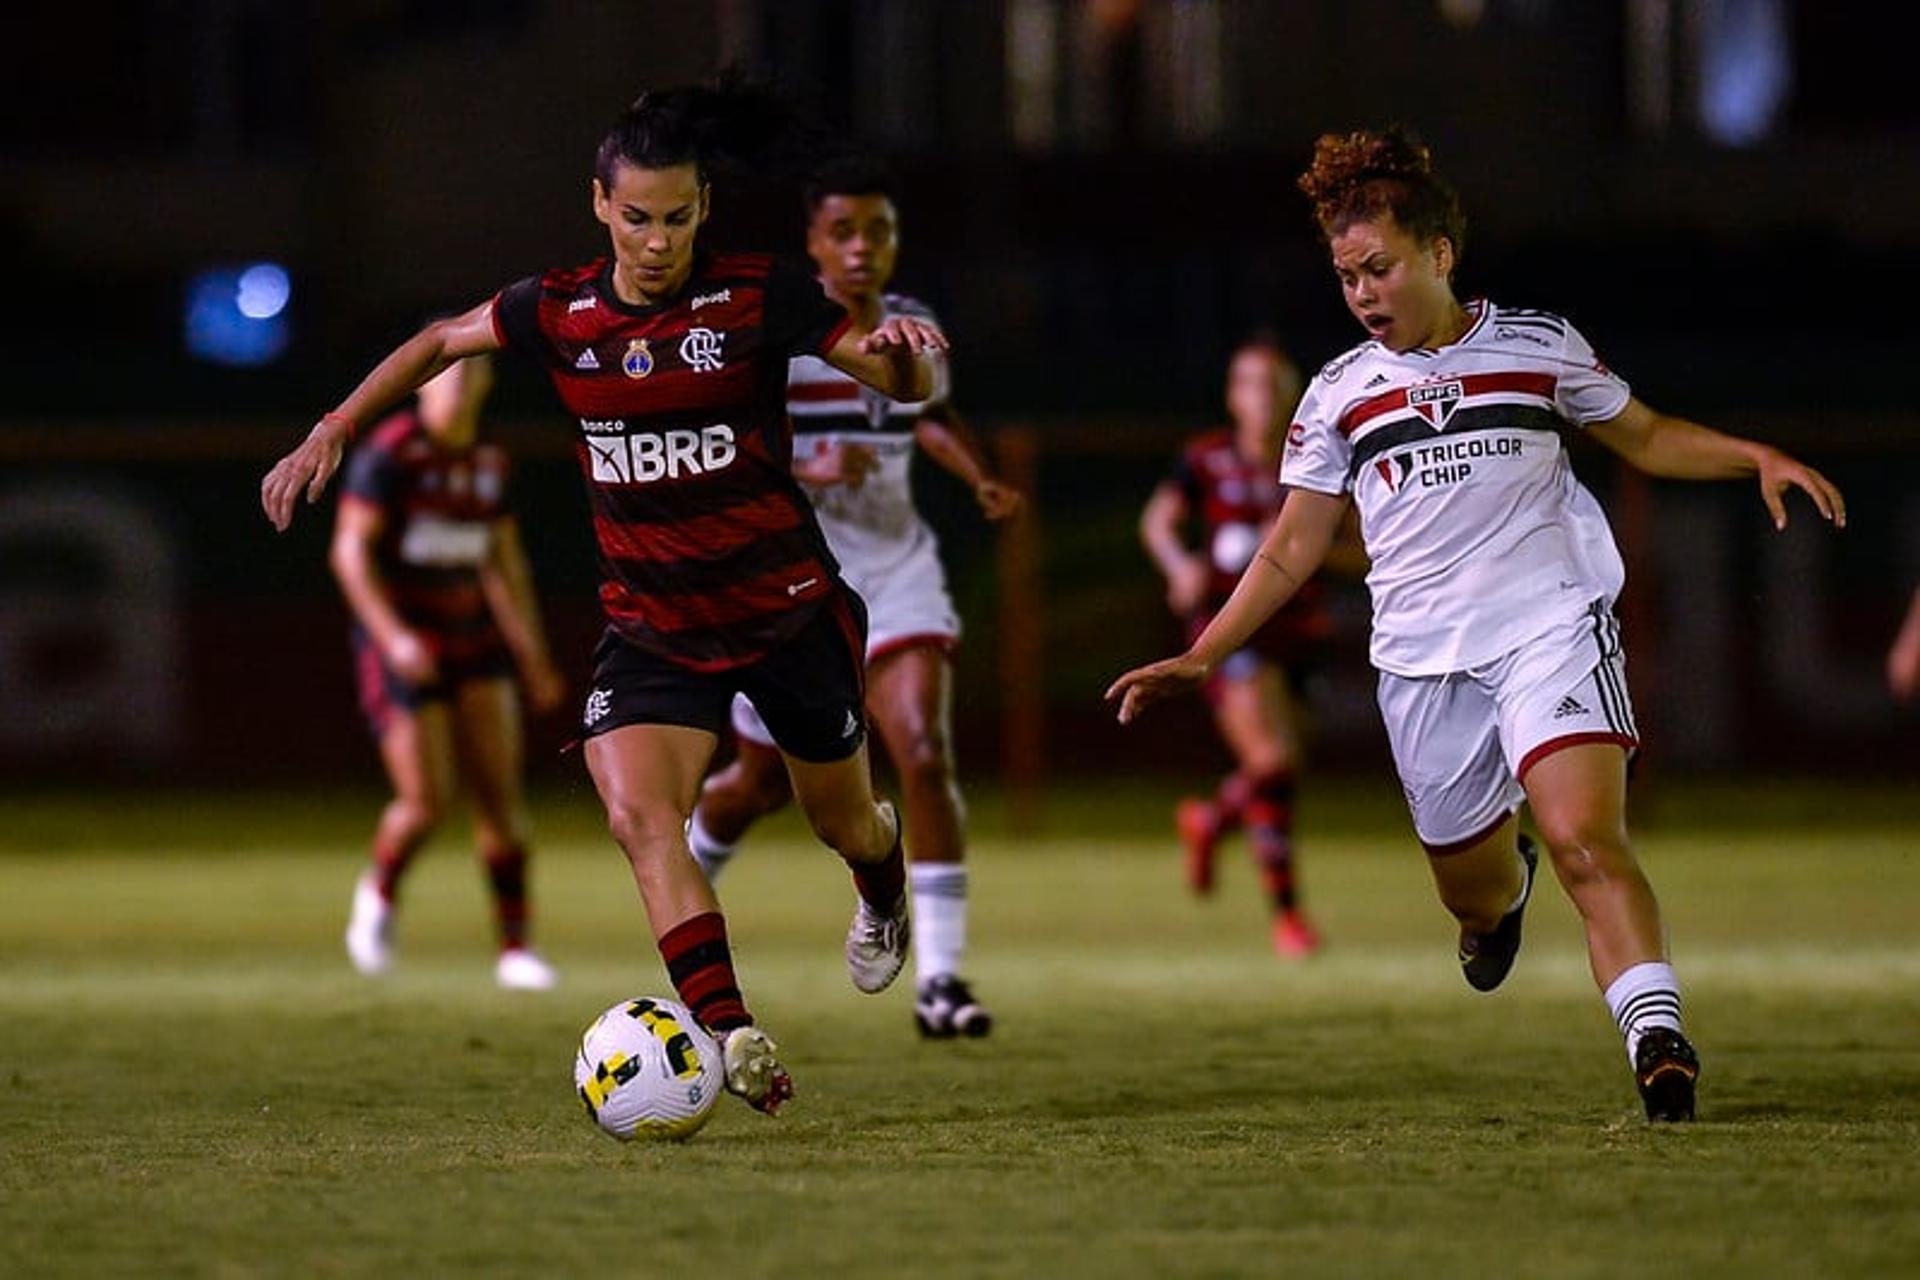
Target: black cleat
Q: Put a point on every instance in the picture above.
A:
(1486, 958)
(945, 1008)
(1665, 1067)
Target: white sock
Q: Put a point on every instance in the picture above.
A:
(939, 916)
(707, 851)
(1644, 997)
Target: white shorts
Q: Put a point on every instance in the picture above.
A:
(907, 605)
(1463, 741)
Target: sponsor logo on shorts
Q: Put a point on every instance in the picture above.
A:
(599, 702)
(1570, 706)
(852, 727)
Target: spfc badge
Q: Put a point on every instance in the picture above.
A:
(638, 362)
(1435, 401)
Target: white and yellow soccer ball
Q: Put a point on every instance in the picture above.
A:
(646, 1069)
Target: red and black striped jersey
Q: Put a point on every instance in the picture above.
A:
(439, 508)
(1234, 501)
(710, 556)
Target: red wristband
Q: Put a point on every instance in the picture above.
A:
(344, 421)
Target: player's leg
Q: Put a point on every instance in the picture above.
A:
(488, 735)
(1445, 737)
(416, 749)
(1258, 718)
(1569, 724)
(811, 692)
(910, 698)
(752, 786)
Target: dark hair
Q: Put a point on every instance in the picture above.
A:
(847, 173)
(1267, 340)
(1360, 175)
(733, 126)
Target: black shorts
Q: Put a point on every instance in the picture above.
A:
(384, 691)
(811, 691)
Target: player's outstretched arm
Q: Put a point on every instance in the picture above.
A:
(1287, 557)
(1679, 449)
(1186, 572)
(357, 529)
(949, 441)
(507, 582)
(895, 359)
(312, 463)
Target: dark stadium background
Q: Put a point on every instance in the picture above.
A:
(1098, 200)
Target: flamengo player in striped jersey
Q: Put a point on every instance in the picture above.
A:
(1226, 484)
(673, 361)
(852, 449)
(428, 556)
(1494, 574)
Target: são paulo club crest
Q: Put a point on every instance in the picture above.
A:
(1435, 401)
(638, 362)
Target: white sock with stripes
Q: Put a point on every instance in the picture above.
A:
(707, 851)
(939, 916)
(1642, 998)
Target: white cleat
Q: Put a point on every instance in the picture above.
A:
(877, 946)
(753, 1069)
(370, 928)
(523, 969)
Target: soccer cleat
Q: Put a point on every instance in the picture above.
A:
(877, 946)
(944, 1008)
(753, 1069)
(1199, 825)
(1665, 1067)
(370, 928)
(1486, 958)
(523, 969)
(1294, 935)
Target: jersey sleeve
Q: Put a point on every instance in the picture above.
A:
(373, 476)
(516, 317)
(1586, 390)
(800, 318)
(1317, 456)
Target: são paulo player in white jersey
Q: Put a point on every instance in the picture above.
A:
(1494, 575)
(853, 449)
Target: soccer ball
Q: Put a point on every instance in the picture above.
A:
(646, 1069)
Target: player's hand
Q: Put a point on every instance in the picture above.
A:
(310, 466)
(1187, 585)
(836, 463)
(1778, 473)
(411, 659)
(997, 501)
(905, 332)
(1141, 687)
(546, 688)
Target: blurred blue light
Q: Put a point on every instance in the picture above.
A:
(236, 316)
(264, 290)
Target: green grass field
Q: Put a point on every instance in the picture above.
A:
(193, 1082)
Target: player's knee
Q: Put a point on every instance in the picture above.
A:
(927, 763)
(1587, 848)
(1271, 759)
(417, 815)
(641, 828)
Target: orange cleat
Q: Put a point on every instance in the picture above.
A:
(1199, 825)
(1293, 936)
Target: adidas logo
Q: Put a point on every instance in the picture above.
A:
(1377, 380)
(587, 360)
(1569, 706)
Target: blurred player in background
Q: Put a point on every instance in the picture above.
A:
(672, 359)
(429, 559)
(1226, 484)
(1903, 659)
(1494, 573)
(852, 450)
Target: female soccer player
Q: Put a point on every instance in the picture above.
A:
(430, 562)
(1227, 483)
(716, 580)
(1494, 573)
(852, 451)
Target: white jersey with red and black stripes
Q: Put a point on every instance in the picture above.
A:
(1481, 537)
(875, 526)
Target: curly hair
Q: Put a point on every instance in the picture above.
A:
(1358, 176)
(846, 172)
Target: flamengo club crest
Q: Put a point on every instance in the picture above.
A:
(701, 349)
(1435, 401)
(638, 362)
